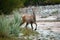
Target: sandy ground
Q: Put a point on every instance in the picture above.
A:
(54, 26)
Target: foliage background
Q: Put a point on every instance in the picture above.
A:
(6, 6)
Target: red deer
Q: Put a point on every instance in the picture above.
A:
(29, 19)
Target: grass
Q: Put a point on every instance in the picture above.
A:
(28, 32)
(8, 26)
(10, 29)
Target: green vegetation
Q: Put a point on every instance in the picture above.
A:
(28, 32)
(8, 26)
(7, 6)
(10, 29)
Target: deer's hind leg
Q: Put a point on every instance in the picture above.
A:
(36, 25)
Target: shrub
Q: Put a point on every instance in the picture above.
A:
(8, 26)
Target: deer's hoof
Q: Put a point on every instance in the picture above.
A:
(35, 29)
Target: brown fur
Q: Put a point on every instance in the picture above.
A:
(29, 19)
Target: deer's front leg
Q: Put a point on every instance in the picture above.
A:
(21, 23)
(26, 25)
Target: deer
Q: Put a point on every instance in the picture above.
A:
(29, 19)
